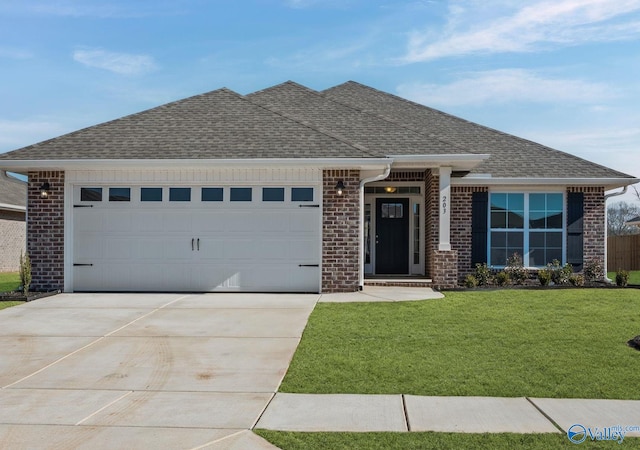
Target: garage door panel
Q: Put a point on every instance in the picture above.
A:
(197, 246)
(304, 220)
(118, 249)
(117, 221)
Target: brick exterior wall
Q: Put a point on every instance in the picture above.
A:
(45, 231)
(445, 269)
(12, 239)
(340, 232)
(593, 222)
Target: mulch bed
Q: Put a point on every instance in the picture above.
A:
(17, 296)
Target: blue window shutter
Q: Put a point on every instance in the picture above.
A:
(479, 225)
(575, 230)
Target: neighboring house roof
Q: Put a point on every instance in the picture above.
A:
(634, 221)
(290, 121)
(511, 156)
(13, 193)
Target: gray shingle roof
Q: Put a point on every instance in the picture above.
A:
(12, 191)
(511, 156)
(291, 121)
(348, 123)
(217, 125)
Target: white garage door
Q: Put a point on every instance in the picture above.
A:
(196, 238)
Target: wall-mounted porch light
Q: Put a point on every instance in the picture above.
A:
(45, 190)
(390, 189)
(340, 187)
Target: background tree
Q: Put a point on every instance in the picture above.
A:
(617, 216)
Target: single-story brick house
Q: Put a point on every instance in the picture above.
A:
(13, 201)
(291, 189)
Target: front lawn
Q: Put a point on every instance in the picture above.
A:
(568, 343)
(9, 281)
(426, 441)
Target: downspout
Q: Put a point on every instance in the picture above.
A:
(364, 181)
(606, 229)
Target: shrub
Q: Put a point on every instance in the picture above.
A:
(622, 278)
(470, 281)
(516, 270)
(560, 274)
(25, 272)
(502, 278)
(593, 270)
(544, 276)
(483, 274)
(576, 280)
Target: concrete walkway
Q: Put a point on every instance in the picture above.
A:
(368, 413)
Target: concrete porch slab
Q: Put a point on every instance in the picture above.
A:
(108, 438)
(176, 364)
(592, 413)
(183, 410)
(334, 412)
(475, 415)
(382, 294)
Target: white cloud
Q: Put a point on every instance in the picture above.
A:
(120, 63)
(506, 85)
(472, 29)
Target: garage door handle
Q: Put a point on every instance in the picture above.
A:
(198, 244)
(309, 206)
(192, 241)
(82, 265)
(308, 265)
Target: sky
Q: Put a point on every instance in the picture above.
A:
(563, 73)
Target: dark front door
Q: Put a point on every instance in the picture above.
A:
(392, 236)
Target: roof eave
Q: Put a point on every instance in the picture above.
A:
(458, 162)
(486, 180)
(25, 166)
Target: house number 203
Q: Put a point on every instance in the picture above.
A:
(444, 204)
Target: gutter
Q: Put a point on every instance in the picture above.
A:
(364, 181)
(606, 229)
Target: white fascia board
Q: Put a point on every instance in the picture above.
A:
(23, 166)
(456, 162)
(9, 207)
(608, 183)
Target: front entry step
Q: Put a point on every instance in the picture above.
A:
(399, 282)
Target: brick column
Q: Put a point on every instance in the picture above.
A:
(340, 231)
(45, 231)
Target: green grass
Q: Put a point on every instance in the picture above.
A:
(568, 343)
(9, 281)
(634, 276)
(426, 441)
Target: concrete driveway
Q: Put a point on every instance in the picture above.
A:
(100, 371)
